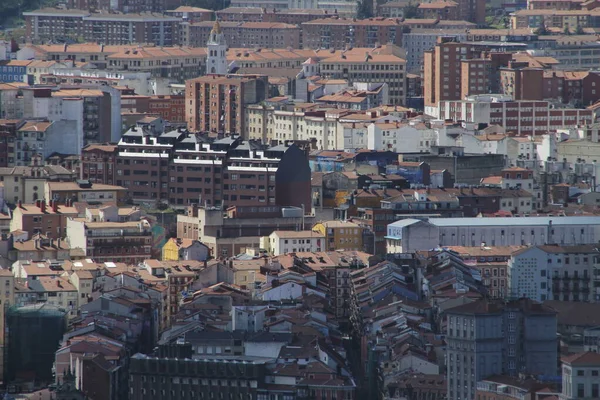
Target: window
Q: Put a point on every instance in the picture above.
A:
(580, 390)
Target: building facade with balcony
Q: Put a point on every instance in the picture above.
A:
(107, 241)
(519, 336)
(553, 272)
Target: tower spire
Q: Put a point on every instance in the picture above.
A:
(216, 61)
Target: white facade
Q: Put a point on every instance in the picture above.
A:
(285, 242)
(248, 318)
(581, 380)
(400, 138)
(216, 58)
(410, 235)
(528, 275)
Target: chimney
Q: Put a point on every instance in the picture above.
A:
(43, 206)
(38, 203)
(20, 204)
(58, 243)
(54, 206)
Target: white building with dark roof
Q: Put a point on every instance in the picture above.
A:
(412, 234)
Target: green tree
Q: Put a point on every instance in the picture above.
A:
(410, 11)
(363, 9)
(215, 5)
(541, 30)
(566, 30)
(579, 30)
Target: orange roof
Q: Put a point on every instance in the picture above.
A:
(583, 359)
(438, 4)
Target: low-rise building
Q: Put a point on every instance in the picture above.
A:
(340, 235)
(284, 242)
(580, 378)
(129, 242)
(84, 191)
(176, 249)
(50, 219)
(53, 290)
(40, 247)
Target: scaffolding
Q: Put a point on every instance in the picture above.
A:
(32, 336)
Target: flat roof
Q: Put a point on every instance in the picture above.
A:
(521, 221)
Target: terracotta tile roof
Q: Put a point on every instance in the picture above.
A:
(582, 359)
(438, 4)
(35, 126)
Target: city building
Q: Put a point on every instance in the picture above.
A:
(340, 235)
(182, 168)
(267, 35)
(378, 64)
(522, 117)
(519, 337)
(411, 234)
(110, 240)
(345, 33)
(97, 162)
(553, 272)
(184, 249)
(580, 378)
(240, 228)
(27, 183)
(109, 28)
(284, 242)
(216, 103)
(48, 219)
(83, 191)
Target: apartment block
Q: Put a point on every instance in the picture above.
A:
(553, 272)
(170, 107)
(176, 63)
(8, 135)
(190, 14)
(345, 33)
(378, 65)
(97, 162)
(438, 10)
(518, 337)
(340, 235)
(109, 240)
(84, 114)
(27, 183)
(294, 16)
(49, 219)
(553, 5)
(520, 117)
(109, 28)
(552, 18)
(580, 376)
(83, 191)
(240, 228)
(182, 168)
(136, 6)
(216, 103)
(453, 70)
(270, 35)
(284, 242)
